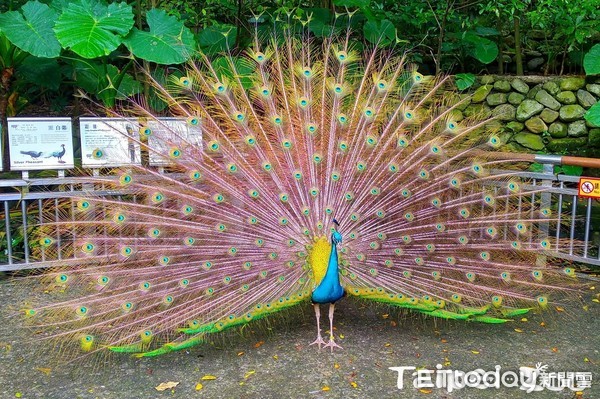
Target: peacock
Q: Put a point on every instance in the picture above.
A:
(326, 168)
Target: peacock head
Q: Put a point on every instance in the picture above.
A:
(336, 237)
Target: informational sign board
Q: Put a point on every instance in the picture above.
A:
(589, 187)
(40, 143)
(109, 142)
(169, 133)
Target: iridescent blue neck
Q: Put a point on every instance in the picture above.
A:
(330, 289)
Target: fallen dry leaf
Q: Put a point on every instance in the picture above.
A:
(518, 330)
(259, 344)
(426, 391)
(208, 377)
(199, 386)
(44, 370)
(353, 384)
(163, 386)
(325, 388)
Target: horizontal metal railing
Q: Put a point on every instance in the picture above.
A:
(577, 224)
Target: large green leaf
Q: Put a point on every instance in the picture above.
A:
(591, 61)
(593, 115)
(217, 38)
(482, 49)
(100, 80)
(44, 72)
(92, 29)
(167, 42)
(31, 30)
(381, 32)
(486, 51)
(241, 70)
(352, 3)
(464, 80)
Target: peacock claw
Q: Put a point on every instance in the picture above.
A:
(331, 344)
(319, 341)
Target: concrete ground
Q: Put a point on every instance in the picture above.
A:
(274, 360)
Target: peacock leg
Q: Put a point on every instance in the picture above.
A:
(319, 341)
(331, 344)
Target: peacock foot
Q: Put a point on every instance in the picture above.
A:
(319, 341)
(331, 344)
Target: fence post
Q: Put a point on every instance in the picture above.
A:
(545, 203)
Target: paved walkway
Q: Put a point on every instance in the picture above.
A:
(273, 360)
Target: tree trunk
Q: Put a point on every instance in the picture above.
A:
(500, 42)
(5, 84)
(518, 55)
(438, 62)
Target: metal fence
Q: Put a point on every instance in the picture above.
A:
(23, 202)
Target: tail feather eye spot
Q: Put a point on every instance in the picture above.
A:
(219, 88)
(46, 241)
(88, 248)
(193, 121)
(185, 81)
(146, 131)
(402, 142)
(382, 85)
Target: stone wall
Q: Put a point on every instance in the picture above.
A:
(539, 114)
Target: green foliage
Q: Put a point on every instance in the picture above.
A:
(103, 80)
(591, 61)
(480, 48)
(91, 28)
(167, 42)
(464, 80)
(31, 29)
(450, 36)
(42, 72)
(593, 115)
(216, 39)
(569, 170)
(240, 69)
(382, 33)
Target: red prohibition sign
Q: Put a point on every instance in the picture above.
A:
(587, 187)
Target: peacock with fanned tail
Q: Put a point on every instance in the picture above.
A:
(323, 171)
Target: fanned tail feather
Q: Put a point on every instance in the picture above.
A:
(294, 134)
